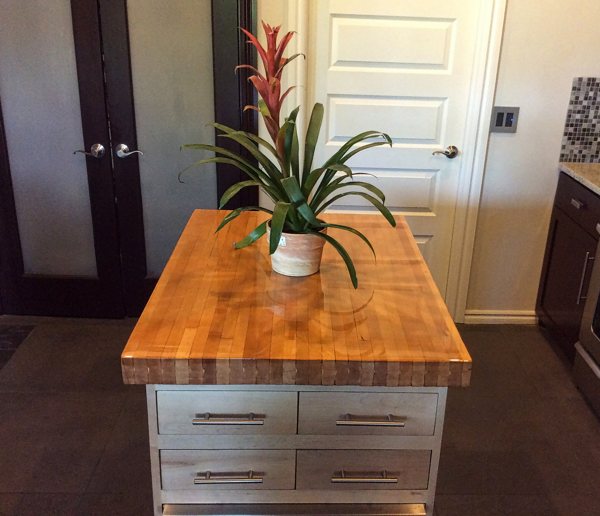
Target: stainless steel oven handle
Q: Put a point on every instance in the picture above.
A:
(588, 259)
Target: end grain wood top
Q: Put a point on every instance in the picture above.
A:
(221, 316)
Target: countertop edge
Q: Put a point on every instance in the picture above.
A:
(566, 167)
(297, 372)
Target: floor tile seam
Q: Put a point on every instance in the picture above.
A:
(109, 439)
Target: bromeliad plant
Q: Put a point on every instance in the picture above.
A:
(300, 193)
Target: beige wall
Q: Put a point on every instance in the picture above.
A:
(546, 44)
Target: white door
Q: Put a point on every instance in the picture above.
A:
(405, 68)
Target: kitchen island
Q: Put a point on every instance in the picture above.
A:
(276, 395)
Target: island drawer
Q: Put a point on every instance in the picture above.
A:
(580, 203)
(226, 412)
(362, 469)
(360, 413)
(227, 469)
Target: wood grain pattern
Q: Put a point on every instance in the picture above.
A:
(221, 316)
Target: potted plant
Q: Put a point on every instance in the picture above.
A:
(300, 192)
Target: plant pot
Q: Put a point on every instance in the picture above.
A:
(298, 254)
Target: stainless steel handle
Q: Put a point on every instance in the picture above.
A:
(377, 478)
(576, 203)
(123, 151)
(389, 420)
(96, 151)
(588, 259)
(451, 152)
(208, 477)
(228, 419)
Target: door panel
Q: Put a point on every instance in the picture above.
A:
(43, 128)
(171, 65)
(404, 68)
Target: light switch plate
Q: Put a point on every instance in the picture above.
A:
(504, 119)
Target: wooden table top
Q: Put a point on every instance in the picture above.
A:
(221, 316)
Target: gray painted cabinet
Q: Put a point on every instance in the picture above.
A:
(294, 449)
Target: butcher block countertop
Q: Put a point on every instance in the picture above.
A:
(221, 316)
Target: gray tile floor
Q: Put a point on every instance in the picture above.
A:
(519, 441)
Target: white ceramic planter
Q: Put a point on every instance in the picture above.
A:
(298, 254)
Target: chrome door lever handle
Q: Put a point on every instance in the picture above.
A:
(123, 151)
(96, 151)
(451, 152)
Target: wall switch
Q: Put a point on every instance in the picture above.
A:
(504, 119)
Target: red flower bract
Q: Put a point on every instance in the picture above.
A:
(268, 85)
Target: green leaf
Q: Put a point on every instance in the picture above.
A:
(295, 195)
(265, 185)
(339, 184)
(295, 154)
(312, 135)
(337, 157)
(286, 133)
(343, 253)
(251, 170)
(373, 200)
(237, 212)
(277, 222)
(259, 231)
(259, 141)
(314, 176)
(363, 148)
(353, 231)
(270, 168)
(234, 189)
(262, 107)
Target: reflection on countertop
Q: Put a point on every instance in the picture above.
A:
(588, 174)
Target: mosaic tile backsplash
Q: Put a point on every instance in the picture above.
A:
(581, 138)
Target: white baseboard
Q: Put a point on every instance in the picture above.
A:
(500, 317)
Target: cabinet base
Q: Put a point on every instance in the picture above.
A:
(403, 509)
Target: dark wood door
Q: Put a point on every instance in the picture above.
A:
(115, 279)
(566, 275)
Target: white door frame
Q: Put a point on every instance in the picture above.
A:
(481, 98)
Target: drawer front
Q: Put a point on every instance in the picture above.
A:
(207, 470)
(362, 469)
(226, 412)
(581, 204)
(358, 413)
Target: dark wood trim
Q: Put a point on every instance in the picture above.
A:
(11, 259)
(119, 101)
(229, 50)
(94, 119)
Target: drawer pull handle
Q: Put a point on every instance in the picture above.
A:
(228, 419)
(368, 478)
(389, 420)
(576, 203)
(587, 260)
(208, 477)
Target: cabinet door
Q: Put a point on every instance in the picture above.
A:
(568, 264)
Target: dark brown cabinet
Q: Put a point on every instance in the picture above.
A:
(568, 261)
